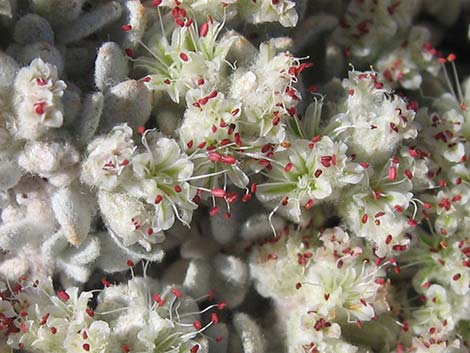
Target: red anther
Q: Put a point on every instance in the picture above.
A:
(456, 198)
(156, 297)
(326, 296)
(197, 325)
(298, 285)
(285, 201)
(451, 57)
(319, 324)
(86, 347)
(247, 197)
(189, 22)
(53, 330)
(408, 174)
(126, 27)
(288, 167)
(213, 94)
(231, 197)
(309, 204)
(398, 208)
(158, 199)
(63, 295)
(200, 82)
(184, 57)
(456, 277)
(156, 3)
(182, 12)
(218, 192)
(84, 335)
(379, 281)
(266, 148)
(129, 52)
(39, 108)
(214, 318)
(316, 139)
(365, 218)
(326, 161)
(231, 129)
(105, 282)
(228, 215)
(253, 188)
(23, 327)
(214, 211)
(392, 173)
(221, 305)
(442, 183)
(204, 29)
(426, 285)
(317, 173)
(141, 129)
(214, 156)
(190, 144)
(237, 139)
(224, 142)
(444, 203)
(235, 112)
(194, 348)
(125, 348)
(219, 338)
(222, 123)
(177, 188)
(149, 231)
(90, 312)
(167, 81)
(176, 292)
(130, 263)
(427, 205)
(228, 160)
(412, 222)
(276, 120)
(41, 82)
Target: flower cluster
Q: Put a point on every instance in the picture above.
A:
(227, 145)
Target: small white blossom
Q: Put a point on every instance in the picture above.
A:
(109, 158)
(38, 105)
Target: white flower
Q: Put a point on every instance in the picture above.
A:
(370, 26)
(282, 11)
(191, 56)
(162, 174)
(266, 93)
(109, 158)
(374, 121)
(307, 172)
(38, 105)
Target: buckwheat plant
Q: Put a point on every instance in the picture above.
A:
(292, 175)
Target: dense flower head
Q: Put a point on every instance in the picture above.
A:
(108, 158)
(373, 121)
(369, 25)
(38, 95)
(331, 283)
(357, 238)
(192, 55)
(141, 191)
(307, 172)
(267, 92)
(133, 316)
